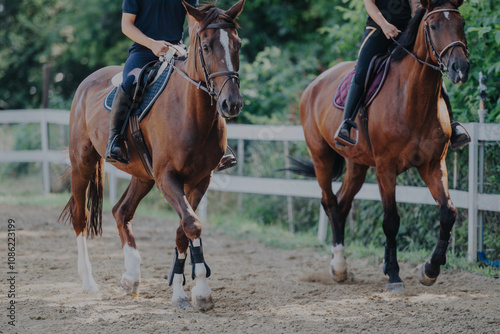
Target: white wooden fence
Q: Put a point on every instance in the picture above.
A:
(471, 200)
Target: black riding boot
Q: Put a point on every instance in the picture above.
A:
(459, 135)
(343, 134)
(119, 113)
(227, 161)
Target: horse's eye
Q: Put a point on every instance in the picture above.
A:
(433, 27)
(205, 48)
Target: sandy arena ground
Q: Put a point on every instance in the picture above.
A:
(255, 289)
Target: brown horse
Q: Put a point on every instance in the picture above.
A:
(408, 126)
(186, 135)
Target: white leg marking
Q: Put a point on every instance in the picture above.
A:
(338, 261)
(132, 264)
(84, 267)
(224, 40)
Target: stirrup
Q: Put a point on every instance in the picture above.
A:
(226, 162)
(460, 140)
(111, 158)
(342, 140)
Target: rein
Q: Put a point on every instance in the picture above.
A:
(428, 41)
(209, 85)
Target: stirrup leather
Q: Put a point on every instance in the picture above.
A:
(346, 140)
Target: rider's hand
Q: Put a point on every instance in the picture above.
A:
(390, 31)
(159, 48)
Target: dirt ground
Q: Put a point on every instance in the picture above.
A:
(256, 289)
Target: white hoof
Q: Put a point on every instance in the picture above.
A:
(181, 303)
(90, 286)
(200, 303)
(129, 285)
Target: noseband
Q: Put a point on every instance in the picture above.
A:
(209, 77)
(428, 41)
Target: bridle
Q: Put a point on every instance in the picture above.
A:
(209, 77)
(443, 68)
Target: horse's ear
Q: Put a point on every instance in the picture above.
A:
(236, 9)
(424, 4)
(193, 12)
(458, 3)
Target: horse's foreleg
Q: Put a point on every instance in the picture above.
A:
(386, 178)
(435, 177)
(190, 229)
(124, 212)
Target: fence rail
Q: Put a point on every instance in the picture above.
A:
(471, 200)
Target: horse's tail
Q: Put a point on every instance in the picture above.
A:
(94, 203)
(305, 167)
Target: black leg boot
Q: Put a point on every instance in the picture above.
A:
(227, 161)
(119, 114)
(459, 135)
(353, 100)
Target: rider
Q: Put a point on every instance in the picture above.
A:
(386, 20)
(153, 25)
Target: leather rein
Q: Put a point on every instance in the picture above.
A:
(429, 42)
(209, 84)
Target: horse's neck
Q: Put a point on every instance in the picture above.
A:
(421, 84)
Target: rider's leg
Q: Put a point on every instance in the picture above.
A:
(373, 43)
(459, 136)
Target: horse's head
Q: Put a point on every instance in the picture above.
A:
(215, 45)
(444, 32)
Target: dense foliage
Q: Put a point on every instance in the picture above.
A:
(286, 43)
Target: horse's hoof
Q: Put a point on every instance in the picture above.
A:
(340, 277)
(396, 287)
(423, 278)
(90, 287)
(131, 288)
(202, 304)
(181, 303)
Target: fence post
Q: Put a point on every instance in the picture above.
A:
(322, 224)
(241, 162)
(473, 176)
(44, 132)
(289, 200)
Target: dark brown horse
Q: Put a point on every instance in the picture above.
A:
(186, 135)
(408, 127)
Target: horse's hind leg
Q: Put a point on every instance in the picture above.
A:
(386, 177)
(353, 181)
(86, 173)
(435, 176)
(124, 212)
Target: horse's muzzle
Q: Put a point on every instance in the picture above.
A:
(458, 70)
(230, 106)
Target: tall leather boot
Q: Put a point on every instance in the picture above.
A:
(459, 135)
(119, 114)
(353, 100)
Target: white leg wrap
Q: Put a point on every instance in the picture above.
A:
(132, 264)
(338, 262)
(84, 267)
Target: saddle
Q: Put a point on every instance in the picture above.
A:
(377, 73)
(152, 80)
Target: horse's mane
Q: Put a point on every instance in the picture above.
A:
(409, 36)
(212, 13)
